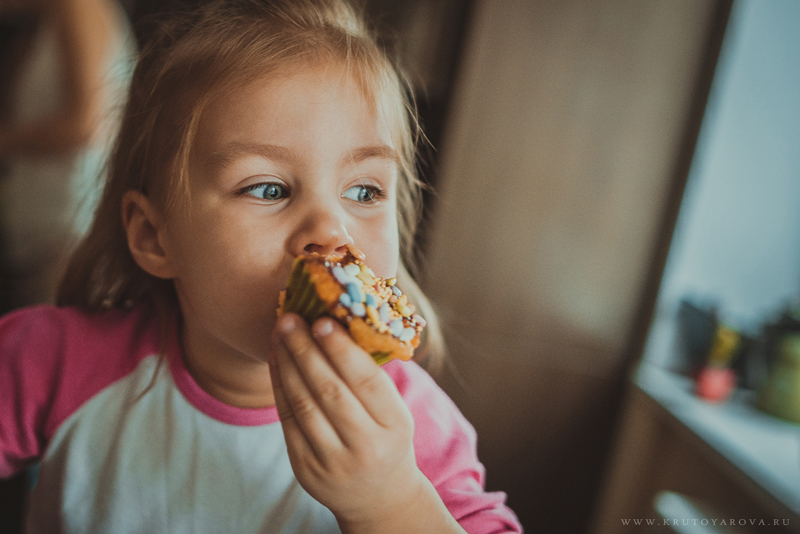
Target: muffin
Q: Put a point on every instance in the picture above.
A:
(375, 311)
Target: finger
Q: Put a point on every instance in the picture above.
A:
(302, 408)
(333, 396)
(369, 383)
(296, 442)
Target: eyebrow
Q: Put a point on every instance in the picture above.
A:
(377, 151)
(233, 151)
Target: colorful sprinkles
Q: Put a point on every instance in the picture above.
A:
(380, 302)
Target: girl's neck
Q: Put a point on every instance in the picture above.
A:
(228, 377)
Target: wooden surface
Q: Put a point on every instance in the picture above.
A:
(656, 451)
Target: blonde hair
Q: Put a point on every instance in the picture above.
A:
(193, 57)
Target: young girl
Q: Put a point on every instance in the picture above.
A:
(254, 132)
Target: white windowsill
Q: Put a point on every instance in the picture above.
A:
(764, 448)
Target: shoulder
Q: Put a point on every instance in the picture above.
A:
(43, 320)
(26, 321)
(425, 398)
(50, 331)
(412, 381)
(57, 358)
(40, 333)
(439, 426)
(445, 445)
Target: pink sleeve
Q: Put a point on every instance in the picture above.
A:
(446, 450)
(52, 360)
(28, 342)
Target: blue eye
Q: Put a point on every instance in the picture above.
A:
(364, 194)
(266, 191)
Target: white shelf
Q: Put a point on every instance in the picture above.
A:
(764, 448)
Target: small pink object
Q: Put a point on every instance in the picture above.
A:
(715, 384)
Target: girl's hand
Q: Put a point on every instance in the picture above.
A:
(349, 433)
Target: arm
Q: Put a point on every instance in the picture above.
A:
(26, 343)
(84, 31)
(349, 433)
(446, 448)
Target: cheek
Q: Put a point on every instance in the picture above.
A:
(380, 243)
(228, 279)
(215, 250)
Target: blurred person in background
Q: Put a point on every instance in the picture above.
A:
(61, 111)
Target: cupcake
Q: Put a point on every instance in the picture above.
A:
(375, 311)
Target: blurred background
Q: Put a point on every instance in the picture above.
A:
(613, 245)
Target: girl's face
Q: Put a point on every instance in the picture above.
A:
(297, 161)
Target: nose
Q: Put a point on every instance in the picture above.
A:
(321, 230)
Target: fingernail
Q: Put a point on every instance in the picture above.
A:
(323, 327)
(286, 324)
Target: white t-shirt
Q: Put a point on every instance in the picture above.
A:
(174, 459)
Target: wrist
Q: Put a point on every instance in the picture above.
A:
(416, 508)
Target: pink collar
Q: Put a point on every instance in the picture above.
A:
(207, 404)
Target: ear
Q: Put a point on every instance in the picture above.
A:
(144, 229)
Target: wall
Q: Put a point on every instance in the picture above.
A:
(737, 242)
(560, 149)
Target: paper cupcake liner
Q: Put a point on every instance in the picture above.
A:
(302, 297)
